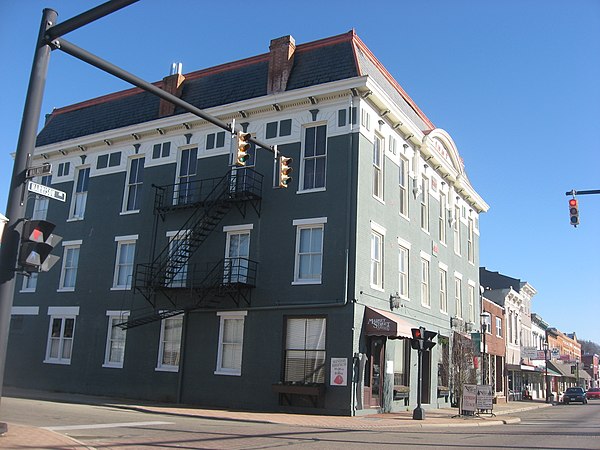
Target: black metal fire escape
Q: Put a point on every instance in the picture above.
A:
(170, 276)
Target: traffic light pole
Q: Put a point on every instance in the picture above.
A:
(419, 412)
(15, 208)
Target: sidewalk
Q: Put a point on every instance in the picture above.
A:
(25, 437)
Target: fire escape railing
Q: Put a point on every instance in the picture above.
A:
(210, 199)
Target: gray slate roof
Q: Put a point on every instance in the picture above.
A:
(331, 59)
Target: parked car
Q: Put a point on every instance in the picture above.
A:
(593, 393)
(574, 394)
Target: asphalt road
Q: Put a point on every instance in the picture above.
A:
(560, 427)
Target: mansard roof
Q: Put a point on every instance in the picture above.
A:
(327, 60)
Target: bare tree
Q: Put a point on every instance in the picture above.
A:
(462, 370)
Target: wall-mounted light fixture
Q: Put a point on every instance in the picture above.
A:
(395, 301)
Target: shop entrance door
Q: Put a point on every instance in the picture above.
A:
(374, 371)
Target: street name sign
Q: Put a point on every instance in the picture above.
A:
(46, 191)
(44, 169)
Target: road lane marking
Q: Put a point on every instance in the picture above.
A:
(106, 425)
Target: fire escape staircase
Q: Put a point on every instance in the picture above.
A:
(170, 273)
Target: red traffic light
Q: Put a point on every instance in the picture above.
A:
(416, 333)
(574, 211)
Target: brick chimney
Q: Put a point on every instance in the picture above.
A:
(281, 60)
(173, 84)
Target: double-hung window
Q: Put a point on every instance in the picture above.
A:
(308, 265)
(124, 261)
(68, 274)
(29, 282)
(425, 204)
(170, 344)
(470, 249)
(314, 157)
(471, 293)
(378, 157)
(457, 242)
(425, 281)
(442, 218)
(403, 258)
(499, 327)
(443, 290)
(135, 181)
(458, 296)
(237, 254)
(115, 339)
(186, 172)
(231, 340)
(80, 191)
(40, 206)
(305, 353)
(177, 266)
(377, 235)
(60, 334)
(403, 184)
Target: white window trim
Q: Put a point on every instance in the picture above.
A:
(76, 171)
(128, 184)
(25, 282)
(407, 245)
(222, 316)
(112, 314)
(444, 268)
(130, 239)
(402, 244)
(377, 229)
(68, 244)
(301, 188)
(426, 303)
(62, 312)
(300, 224)
(163, 367)
(25, 310)
(244, 227)
(314, 221)
(380, 168)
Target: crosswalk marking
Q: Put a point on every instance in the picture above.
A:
(106, 425)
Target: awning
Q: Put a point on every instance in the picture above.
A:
(383, 323)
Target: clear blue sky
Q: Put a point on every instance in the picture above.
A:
(516, 83)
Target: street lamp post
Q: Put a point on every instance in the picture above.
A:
(546, 372)
(485, 321)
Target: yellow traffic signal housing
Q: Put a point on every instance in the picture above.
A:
(284, 171)
(242, 147)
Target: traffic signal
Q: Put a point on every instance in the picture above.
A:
(37, 242)
(241, 148)
(428, 342)
(574, 211)
(422, 339)
(417, 338)
(284, 171)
